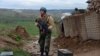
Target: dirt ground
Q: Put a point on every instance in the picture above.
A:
(32, 47)
(90, 53)
(78, 47)
(87, 48)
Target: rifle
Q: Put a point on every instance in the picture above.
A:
(42, 25)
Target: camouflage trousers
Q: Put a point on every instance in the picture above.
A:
(44, 42)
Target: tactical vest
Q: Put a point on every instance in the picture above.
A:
(43, 24)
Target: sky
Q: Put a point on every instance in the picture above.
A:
(49, 4)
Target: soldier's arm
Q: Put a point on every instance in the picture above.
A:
(36, 22)
(51, 22)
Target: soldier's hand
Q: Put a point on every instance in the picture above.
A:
(50, 27)
(36, 24)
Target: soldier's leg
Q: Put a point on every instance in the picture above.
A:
(42, 43)
(47, 43)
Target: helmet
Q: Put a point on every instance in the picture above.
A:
(43, 9)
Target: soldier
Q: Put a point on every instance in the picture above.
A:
(45, 24)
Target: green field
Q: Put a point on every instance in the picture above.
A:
(29, 26)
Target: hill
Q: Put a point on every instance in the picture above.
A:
(12, 15)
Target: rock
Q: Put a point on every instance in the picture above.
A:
(64, 52)
(94, 5)
(7, 53)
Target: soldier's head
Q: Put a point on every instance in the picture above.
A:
(43, 10)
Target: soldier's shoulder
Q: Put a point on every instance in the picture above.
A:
(49, 16)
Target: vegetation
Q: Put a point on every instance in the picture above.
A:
(18, 38)
(29, 26)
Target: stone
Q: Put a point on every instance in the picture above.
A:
(94, 5)
(6, 53)
(64, 52)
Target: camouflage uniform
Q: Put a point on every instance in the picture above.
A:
(45, 37)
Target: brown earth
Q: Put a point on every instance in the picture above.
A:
(86, 48)
(7, 42)
(32, 47)
(10, 38)
(77, 46)
(90, 53)
(19, 31)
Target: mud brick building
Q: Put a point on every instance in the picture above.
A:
(85, 25)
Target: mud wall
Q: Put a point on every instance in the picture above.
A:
(87, 26)
(93, 25)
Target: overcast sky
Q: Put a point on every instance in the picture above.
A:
(36, 4)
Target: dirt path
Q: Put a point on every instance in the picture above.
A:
(32, 46)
